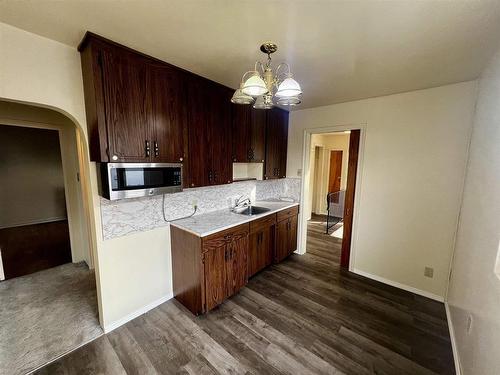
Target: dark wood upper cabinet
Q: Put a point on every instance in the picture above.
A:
(276, 143)
(141, 109)
(249, 134)
(169, 135)
(241, 130)
(209, 117)
(198, 113)
(126, 85)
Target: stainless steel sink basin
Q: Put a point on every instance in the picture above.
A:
(254, 210)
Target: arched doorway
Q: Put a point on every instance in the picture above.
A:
(60, 301)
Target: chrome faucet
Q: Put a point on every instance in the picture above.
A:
(242, 202)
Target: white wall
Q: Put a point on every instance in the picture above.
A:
(475, 288)
(413, 167)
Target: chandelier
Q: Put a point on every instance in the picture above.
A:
(261, 85)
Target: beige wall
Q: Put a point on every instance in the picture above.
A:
(32, 190)
(412, 171)
(475, 288)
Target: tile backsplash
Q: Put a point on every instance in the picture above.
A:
(127, 216)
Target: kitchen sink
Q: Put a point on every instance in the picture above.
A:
(254, 210)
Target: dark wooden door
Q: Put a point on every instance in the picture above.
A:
(236, 265)
(241, 132)
(126, 83)
(349, 197)
(219, 135)
(170, 115)
(276, 143)
(260, 250)
(198, 157)
(215, 276)
(335, 171)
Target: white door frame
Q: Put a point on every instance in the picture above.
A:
(305, 190)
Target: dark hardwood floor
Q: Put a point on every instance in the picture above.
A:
(302, 316)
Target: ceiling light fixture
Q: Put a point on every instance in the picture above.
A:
(262, 84)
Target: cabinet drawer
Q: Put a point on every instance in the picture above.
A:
(262, 223)
(221, 238)
(285, 214)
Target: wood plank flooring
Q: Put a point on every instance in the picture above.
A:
(302, 316)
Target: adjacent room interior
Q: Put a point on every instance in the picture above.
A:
(249, 187)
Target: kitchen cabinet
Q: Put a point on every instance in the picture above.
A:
(209, 133)
(207, 270)
(128, 111)
(276, 143)
(249, 134)
(261, 244)
(169, 135)
(135, 104)
(286, 233)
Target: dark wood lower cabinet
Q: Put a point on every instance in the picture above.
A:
(286, 235)
(262, 240)
(207, 270)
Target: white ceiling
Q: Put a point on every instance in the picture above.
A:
(338, 50)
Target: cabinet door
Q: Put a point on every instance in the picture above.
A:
(260, 250)
(257, 135)
(215, 276)
(126, 83)
(198, 162)
(292, 234)
(236, 265)
(282, 238)
(276, 143)
(219, 124)
(170, 117)
(241, 132)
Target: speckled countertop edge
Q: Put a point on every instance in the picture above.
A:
(216, 221)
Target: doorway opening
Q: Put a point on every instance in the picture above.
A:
(46, 239)
(330, 172)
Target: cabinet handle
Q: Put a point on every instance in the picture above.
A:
(216, 176)
(157, 150)
(148, 149)
(210, 177)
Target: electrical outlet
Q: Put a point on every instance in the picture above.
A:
(299, 172)
(469, 324)
(194, 203)
(429, 272)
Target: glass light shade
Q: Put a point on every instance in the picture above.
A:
(292, 100)
(254, 85)
(289, 87)
(263, 102)
(240, 98)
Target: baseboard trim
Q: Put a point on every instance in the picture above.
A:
(114, 325)
(408, 288)
(454, 347)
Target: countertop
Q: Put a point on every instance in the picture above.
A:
(216, 221)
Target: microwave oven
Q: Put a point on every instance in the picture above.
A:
(132, 180)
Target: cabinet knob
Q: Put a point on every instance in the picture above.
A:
(181, 158)
(192, 184)
(114, 157)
